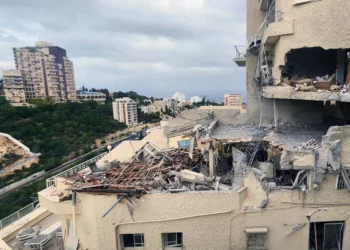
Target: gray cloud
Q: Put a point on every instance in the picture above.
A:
(155, 47)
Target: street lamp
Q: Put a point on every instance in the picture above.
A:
(109, 147)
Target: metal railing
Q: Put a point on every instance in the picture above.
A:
(273, 16)
(19, 214)
(241, 51)
(72, 171)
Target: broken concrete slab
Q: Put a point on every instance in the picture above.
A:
(334, 155)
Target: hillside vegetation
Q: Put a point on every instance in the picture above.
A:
(58, 131)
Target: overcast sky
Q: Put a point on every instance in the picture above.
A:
(154, 47)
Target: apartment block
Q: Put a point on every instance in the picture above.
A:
(296, 71)
(14, 86)
(46, 69)
(125, 111)
(171, 103)
(295, 197)
(233, 100)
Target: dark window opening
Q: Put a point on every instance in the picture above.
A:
(132, 240)
(311, 62)
(171, 240)
(288, 177)
(326, 235)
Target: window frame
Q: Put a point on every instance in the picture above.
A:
(256, 247)
(340, 181)
(140, 243)
(177, 242)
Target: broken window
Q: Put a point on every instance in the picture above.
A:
(171, 240)
(326, 235)
(256, 241)
(291, 178)
(340, 181)
(132, 240)
(315, 67)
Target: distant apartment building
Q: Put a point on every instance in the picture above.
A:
(195, 99)
(180, 97)
(47, 71)
(14, 86)
(98, 97)
(170, 103)
(233, 100)
(125, 111)
(156, 106)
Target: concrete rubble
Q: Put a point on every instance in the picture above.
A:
(211, 163)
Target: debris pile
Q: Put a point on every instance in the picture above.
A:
(164, 171)
(318, 84)
(309, 145)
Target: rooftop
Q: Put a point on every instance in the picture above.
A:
(81, 92)
(172, 170)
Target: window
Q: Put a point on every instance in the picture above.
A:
(132, 240)
(326, 235)
(256, 241)
(171, 240)
(340, 181)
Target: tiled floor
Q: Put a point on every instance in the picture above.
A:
(54, 244)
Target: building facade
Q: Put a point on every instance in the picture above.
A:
(98, 97)
(233, 100)
(125, 111)
(47, 71)
(306, 208)
(171, 103)
(292, 67)
(14, 86)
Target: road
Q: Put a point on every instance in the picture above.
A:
(66, 164)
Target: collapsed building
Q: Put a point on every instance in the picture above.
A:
(234, 187)
(277, 177)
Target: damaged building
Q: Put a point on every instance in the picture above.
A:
(297, 61)
(234, 187)
(275, 178)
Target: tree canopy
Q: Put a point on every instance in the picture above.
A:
(58, 130)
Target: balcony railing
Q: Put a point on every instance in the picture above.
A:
(273, 16)
(241, 54)
(17, 215)
(72, 171)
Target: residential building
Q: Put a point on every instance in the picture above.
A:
(233, 100)
(47, 71)
(14, 86)
(170, 103)
(98, 97)
(299, 205)
(195, 99)
(125, 111)
(275, 178)
(156, 106)
(293, 70)
(180, 97)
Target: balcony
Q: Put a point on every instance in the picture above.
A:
(276, 27)
(241, 56)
